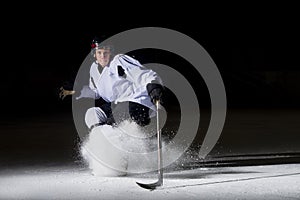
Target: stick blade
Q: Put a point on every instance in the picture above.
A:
(150, 186)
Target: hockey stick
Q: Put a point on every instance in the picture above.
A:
(152, 186)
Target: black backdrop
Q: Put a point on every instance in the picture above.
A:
(259, 63)
(256, 53)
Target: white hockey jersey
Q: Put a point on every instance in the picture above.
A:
(112, 87)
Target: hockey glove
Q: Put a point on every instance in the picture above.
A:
(155, 91)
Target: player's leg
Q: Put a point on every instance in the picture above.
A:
(139, 113)
(94, 117)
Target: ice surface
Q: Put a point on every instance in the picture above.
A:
(75, 182)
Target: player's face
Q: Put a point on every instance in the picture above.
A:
(103, 56)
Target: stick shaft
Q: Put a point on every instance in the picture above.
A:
(152, 186)
(159, 145)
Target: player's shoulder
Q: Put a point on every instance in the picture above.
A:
(122, 56)
(94, 66)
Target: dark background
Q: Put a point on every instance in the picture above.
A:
(256, 52)
(257, 57)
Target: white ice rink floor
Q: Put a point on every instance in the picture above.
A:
(279, 181)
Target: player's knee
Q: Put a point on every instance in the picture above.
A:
(95, 116)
